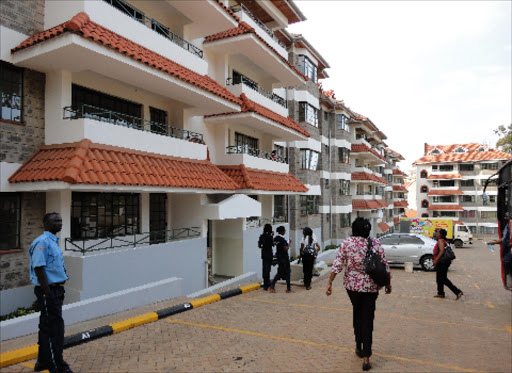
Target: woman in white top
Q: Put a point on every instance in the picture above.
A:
(309, 248)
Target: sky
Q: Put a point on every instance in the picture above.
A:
(423, 71)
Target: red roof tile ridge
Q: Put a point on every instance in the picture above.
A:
(228, 10)
(76, 162)
(77, 22)
(247, 179)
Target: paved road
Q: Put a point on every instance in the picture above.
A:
(307, 331)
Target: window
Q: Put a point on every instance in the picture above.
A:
(423, 174)
(309, 205)
(390, 240)
(11, 87)
(280, 208)
(489, 166)
(424, 204)
(466, 167)
(345, 220)
(308, 68)
(446, 183)
(410, 240)
(492, 199)
(460, 149)
(245, 141)
(467, 183)
(280, 153)
(440, 214)
(308, 113)
(99, 215)
(158, 121)
(434, 168)
(342, 122)
(467, 214)
(424, 215)
(435, 151)
(326, 183)
(344, 155)
(467, 198)
(424, 189)
(492, 182)
(345, 187)
(443, 199)
(10, 220)
(87, 102)
(309, 159)
(446, 168)
(489, 214)
(326, 116)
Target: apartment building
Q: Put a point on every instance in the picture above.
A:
(450, 181)
(167, 133)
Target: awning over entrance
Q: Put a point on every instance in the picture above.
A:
(234, 207)
(383, 227)
(85, 162)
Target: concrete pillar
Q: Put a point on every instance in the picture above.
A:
(144, 212)
(60, 201)
(57, 96)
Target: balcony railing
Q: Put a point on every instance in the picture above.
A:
(141, 239)
(109, 116)
(244, 149)
(257, 222)
(240, 7)
(155, 26)
(254, 86)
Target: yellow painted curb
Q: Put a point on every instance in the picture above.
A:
(248, 288)
(134, 321)
(17, 356)
(206, 300)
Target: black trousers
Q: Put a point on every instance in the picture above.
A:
(267, 265)
(307, 269)
(363, 313)
(51, 329)
(442, 280)
(283, 272)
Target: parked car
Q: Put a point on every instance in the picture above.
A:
(409, 247)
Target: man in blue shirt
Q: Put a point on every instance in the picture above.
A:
(48, 274)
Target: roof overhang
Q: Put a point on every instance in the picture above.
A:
(234, 207)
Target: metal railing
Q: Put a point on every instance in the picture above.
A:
(155, 26)
(109, 116)
(257, 222)
(254, 86)
(140, 239)
(240, 7)
(244, 149)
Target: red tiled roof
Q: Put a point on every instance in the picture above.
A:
(458, 222)
(360, 148)
(396, 220)
(444, 177)
(383, 226)
(249, 178)
(366, 176)
(242, 29)
(471, 155)
(228, 10)
(81, 25)
(368, 204)
(400, 204)
(85, 162)
(411, 213)
(251, 106)
(395, 154)
(398, 172)
(444, 192)
(399, 188)
(445, 208)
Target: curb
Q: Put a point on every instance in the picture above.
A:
(30, 352)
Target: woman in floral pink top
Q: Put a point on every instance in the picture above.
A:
(361, 289)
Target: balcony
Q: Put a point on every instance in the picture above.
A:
(263, 154)
(241, 84)
(254, 158)
(117, 129)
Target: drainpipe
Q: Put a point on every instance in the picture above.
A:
(330, 179)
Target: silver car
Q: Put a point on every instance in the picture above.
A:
(409, 247)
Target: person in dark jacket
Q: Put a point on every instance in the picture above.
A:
(283, 271)
(442, 268)
(265, 243)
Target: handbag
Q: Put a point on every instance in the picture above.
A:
(448, 255)
(374, 267)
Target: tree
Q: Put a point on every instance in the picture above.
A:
(505, 141)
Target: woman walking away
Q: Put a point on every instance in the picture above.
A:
(361, 289)
(309, 248)
(442, 267)
(265, 243)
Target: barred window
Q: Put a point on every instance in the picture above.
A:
(10, 220)
(345, 187)
(309, 159)
(467, 198)
(11, 87)
(489, 166)
(345, 220)
(99, 215)
(467, 183)
(344, 155)
(308, 113)
(309, 205)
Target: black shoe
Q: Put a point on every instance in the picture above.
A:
(39, 367)
(308, 287)
(367, 366)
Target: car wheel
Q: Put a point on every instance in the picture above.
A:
(427, 263)
(458, 243)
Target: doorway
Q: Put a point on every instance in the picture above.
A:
(157, 217)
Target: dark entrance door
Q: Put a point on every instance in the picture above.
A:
(157, 217)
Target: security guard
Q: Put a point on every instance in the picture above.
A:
(48, 274)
